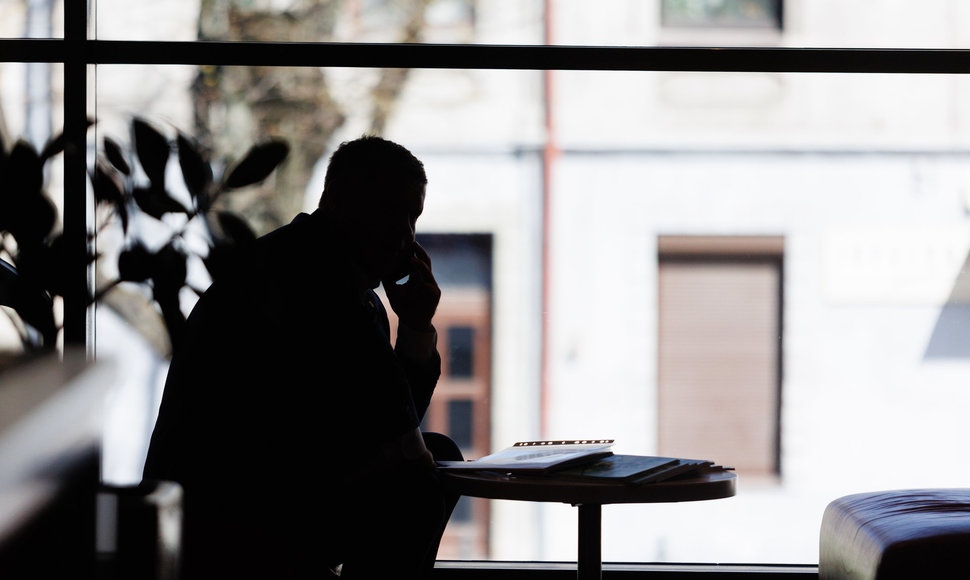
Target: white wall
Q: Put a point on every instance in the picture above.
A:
(844, 167)
(859, 391)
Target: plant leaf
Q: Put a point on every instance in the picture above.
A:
(115, 156)
(257, 164)
(28, 214)
(26, 170)
(156, 202)
(135, 263)
(168, 278)
(196, 172)
(8, 278)
(59, 143)
(107, 186)
(153, 151)
(29, 301)
(54, 146)
(55, 267)
(109, 190)
(235, 228)
(169, 271)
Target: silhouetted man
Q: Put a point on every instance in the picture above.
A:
(288, 417)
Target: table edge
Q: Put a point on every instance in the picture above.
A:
(714, 485)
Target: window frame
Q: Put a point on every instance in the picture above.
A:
(77, 53)
(80, 54)
(775, 23)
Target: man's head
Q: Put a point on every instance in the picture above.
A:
(373, 194)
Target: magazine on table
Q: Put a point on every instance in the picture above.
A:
(537, 456)
(637, 469)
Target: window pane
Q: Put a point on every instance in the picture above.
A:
(877, 23)
(461, 351)
(32, 19)
(722, 13)
(862, 177)
(460, 422)
(418, 21)
(31, 97)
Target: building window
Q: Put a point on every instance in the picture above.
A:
(720, 350)
(748, 14)
(461, 419)
(461, 351)
(460, 407)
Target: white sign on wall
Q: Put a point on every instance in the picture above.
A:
(896, 266)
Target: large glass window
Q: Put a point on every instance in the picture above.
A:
(856, 183)
(578, 182)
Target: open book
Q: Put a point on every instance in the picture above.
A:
(537, 456)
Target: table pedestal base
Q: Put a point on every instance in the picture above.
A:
(588, 558)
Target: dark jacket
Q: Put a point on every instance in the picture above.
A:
(285, 383)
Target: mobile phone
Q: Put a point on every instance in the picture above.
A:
(403, 270)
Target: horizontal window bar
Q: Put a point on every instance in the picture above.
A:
(477, 56)
(495, 570)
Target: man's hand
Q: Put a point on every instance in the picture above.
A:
(416, 300)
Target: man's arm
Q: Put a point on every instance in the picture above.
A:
(418, 354)
(415, 303)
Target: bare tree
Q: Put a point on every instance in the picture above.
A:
(235, 104)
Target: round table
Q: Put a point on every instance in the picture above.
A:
(589, 497)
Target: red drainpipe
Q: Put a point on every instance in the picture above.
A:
(549, 154)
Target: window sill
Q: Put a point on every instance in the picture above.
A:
(483, 570)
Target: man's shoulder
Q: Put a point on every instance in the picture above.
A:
(301, 230)
(290, 269)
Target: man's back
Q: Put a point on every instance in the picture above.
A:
(287, 366)
(286, 379)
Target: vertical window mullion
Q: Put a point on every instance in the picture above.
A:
(78, 323)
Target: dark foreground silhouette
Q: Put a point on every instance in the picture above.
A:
(288, 416)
